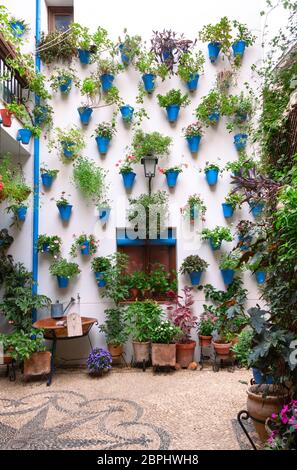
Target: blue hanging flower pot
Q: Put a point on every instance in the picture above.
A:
(245, 242)
(193, 82)
(18, 29)
(228, 276)
(127, 112)
(149, 82)
(260, 277)
(63, 282)
(214, 246)
(240, 141)
(45, 248)
(24, 136)
(47, 180)
(65, 211)
(213, 51)
(214, 117)
(67, 149)
(101, 282)
(42, 115)
(104, 213)
(171, 177)
(227, 210)
(128, 179)
(238, 48)
(167, 54)
(85, 114)
(193, 143)
(257, 208)
(84, 56)
(195, 277)
(65, 87)
(102, 144)
(194, 213)
(85, 248)
(21, 213)
(124, 56)
(106, 81)
(212, 176)
(172, 112)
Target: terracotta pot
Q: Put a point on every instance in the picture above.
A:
(134, 293)
(185, 353)
(6, 117)
(163, 354)
(261, 408)
(147, 294)
(38, 364)
(234, 340)
(141, 351)
(115, 351)
(205, 341)
(222, 349)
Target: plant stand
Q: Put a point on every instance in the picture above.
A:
(206, 354)
(10, 368)
(244, 415)
(144, 364)
(219, 362)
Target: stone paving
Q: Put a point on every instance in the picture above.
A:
(126, 409)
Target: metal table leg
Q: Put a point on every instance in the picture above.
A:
(54, 345)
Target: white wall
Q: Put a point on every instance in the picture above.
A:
(216, 143)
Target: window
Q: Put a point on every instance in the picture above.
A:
(59, 18)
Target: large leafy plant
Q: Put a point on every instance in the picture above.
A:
(114, 327)
(142, 318)
(173, 97)
(151, 143)
(181, 314)
(21, 345)
(217, 235)
(190, 63)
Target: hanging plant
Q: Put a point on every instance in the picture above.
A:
(209, 109)
(195, 206)
(63, 78)
(5, 240)
(211, 171)
(190, 67)
(90, 88)
(129, 47)
(216, 236)
(147, 64)
(225, 79)
(243, 38)
(87, 244)
(194, 266)
(193, 134)
(48, 175)
(64, 270)
(64, 207)
(57, 46)
(232, 201)
(107, 69)
(172, 173)
(89, 178)
(173, 101)
(49, 244)
(69, 143)
(104, 133)
(151, 143)
(219, 38)
(43, 116)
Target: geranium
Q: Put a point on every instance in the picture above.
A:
(193, 129)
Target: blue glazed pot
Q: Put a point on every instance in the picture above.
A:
(65, 211)
(167, 54)
(227, 210)
(47, 180)
(171, 178)
(106, 81)
(257, 209)
(213, 246)
(102, 144)
(195, 277)
(212, 177)
(124, 57)
(65, 87)
(193, 143)
(127, 112)
(40, 119)
(194, 213)
(18, 28)
(260, 378)
(214, 117)
(128, 179)
(172, 112)
(85, 248)
(67, 152)
(101, 282)
(240, 141)
(84, 56)
(21, 213)
(104, 213)
(193, 82)
(228, 276)
(238, 48)
(85, 115)
(260, 276)
(246, 242)
(45, 247)
(241, 116)
(149, 82)
(24, 136)
(213, 51)
(63, 282)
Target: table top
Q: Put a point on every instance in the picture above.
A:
(50, 323)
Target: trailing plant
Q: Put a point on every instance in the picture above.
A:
(61, 76)
(71, 139)
(89, 178)
(63, 268)
(173, 97)
(190, 63)
(193, 263)
(152, 143)
(80, 242)
(168, 46)
(21, 345)
(101, 264)
(131, 46)
(241, 166)
(180, 313)
(217, 235)
(106, 129)
(142, 319)
(57, 46)
(114, 327)
(209, 104)
(53, 244)
(193, 129)
(235, 199)
(43, 116)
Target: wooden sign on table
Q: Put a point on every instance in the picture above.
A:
(74, 325)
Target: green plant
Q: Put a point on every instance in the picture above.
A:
(57, 46)
(115, 288)
(243, 33)
(207, 322)
(90, 88)
(61, 76)
(176, 169)
(211, 166)
(241, 165)
(21, 345)
(152, 143)
(14, 189)
(138, 280)
(193, 129)
(242, 349)
(89, 178)
(106, 129)
(80, 242)
(6, 29)
(131, 45)
(218, 33)
(43, 115)
(71, 139)
(63, 268)
(52, 243)
(209, 104)
(114, 327)
(108, 66)
(225, 78)
(5, 240)
(63, 200)
(19, 110)
(235, 199)
(142, 319)
(159, 280)
(173, 97)
(193, 263)
(189, 64)
(82, 36)
(149, 213)
(49, 171)
(101, 264)
(230, 260)
(148, 63)
(194, 204)
(217, 235)
(166, 333)
(126, 166)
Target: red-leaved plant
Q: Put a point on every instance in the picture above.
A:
(181, 314)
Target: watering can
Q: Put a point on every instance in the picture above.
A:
(57, 309)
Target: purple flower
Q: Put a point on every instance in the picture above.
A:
(99, 360)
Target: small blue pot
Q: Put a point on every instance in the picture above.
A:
(257, 209)
(45, 248)
(167, 54)
(195, 277)
(214, 117)
(194, 213)
(84, 56)
(212, 177)
(21, 213)
(124, 57)
(40, 119)
(104, 213)
(149, 82)
(227, 210)
(101, 282)
(65, 88)
(24, 136)
(246, 242)
(128, 179)
(260, 277)
(193, 143)
(102, 144)
(106, 81)
(171, 177)
(85, 115)
(240, 141)
(18, 29)
(63, 282)
(213, 246)
(172, 112)
(228, 276)
(85, 248)
(241, 116)
(193, 82)
(47, 180)
(260, 378)
(238, 48)
(67, 152)
(213, 51)
(65, 211)
(127, 112)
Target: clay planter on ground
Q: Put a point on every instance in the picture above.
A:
(38, 364)
(115, 351)
(134, 292)
(163, 354)
(141, 352)
(221, 348)
(205, 341)
(261, 408)
(185, 353)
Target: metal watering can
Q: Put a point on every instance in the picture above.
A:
(57, 309)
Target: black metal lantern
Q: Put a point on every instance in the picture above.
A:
(149, 164)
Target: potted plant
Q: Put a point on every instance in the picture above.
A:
(64, 207)
(256, 265)
(107, 69)
(100, 265)
(5, 240)
(232, 200)
(171, 174)
(69, 143)
(99, 362)
(57, 46)
(129, 48)
(190, 66)
(86, 243)
(209, 109)
(173, 101)
(228, 263)
(243, 348)
(193, 134)
(160, 281)
(218, 37)
(243, 39)
(240, 166)
(281, 428)
(116, 288)
(90, 88)
(223, 344)
(89, 178)
(194, 266)
(216, 236)
(256, 206)
(206, 326)
(150, 144)
(104, 132)
(64, 271)
(114, 329)
(49, 244)
(195, 206)
(19, 27)
(127, 112)
(211, 171)
(147, 64)
(83, 41)
(238, 107)
(43, 116)
(104, 209)
(63, 78)
(48, 175)
(164, 339)
(138, 284)
(142, 318)
(244, 234)
(126, 170)
(5, 115)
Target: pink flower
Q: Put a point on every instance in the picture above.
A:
(274, 415)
